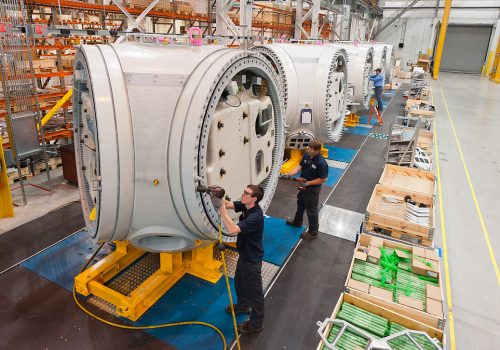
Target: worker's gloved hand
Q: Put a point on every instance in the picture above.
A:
(285, 176)
(217, 202)
(301, 179)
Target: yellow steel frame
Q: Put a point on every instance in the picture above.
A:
(198, 262)
(6, 207)
(495, 72)
(290, 164)
(442, 37)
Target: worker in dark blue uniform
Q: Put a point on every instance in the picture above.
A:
(378, 82)
(248, 275)
(313, 172)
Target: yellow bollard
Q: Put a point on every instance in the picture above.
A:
(6, 207)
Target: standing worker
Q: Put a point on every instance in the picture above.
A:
(378, 81)
(313, 172)
(248, 275)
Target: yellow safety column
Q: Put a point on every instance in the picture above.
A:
(6, 207)
(442, 36)
(495, 72)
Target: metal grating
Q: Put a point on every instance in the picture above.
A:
(268, 270)
(127, 281)
(336, 164)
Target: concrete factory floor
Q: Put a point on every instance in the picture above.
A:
(468, 124)
(311, 280)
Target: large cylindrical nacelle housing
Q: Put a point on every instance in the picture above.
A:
(360, 66)
(380, 57)
(314, 85)
(389, 64)
(154, 122)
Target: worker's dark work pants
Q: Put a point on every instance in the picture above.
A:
(378, 96)
(308, 200)
(248, 285)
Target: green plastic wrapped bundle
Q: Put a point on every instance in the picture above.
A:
(348, 340)
(395, 328)
(371, 323)
(371, 281)
(405, 343)
(372, 271)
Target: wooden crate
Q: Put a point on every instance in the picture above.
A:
(14, 176)
(426, 141)
(420, 316)
(393, 223)
(412, 179)
(398, 315)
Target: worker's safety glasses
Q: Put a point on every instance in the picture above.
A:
(247, 193)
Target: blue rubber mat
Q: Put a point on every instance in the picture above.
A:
(279, 239)
(189, 299)
(63, 261)
(358, 130)
(193, 299)
(340, 154)
(364, 120)
(334, 175)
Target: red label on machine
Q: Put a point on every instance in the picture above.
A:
(3, 28)
(38, 30)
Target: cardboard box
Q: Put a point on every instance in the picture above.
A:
(360, 255)
(365, 241)
(401, 254)
(431, 254)
(362, 286)
(434, 307)
(411, 302)
(377, 242)
(418, 251)
(428, 268)
(373, 254)
(380, 293)
(433, 292)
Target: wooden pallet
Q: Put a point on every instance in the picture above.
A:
(394, 314)
(382, 230)
(412, 179)
(392, 222)
(14, 175)
(421, 316)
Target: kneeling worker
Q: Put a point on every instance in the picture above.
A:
(313, 172)
(248, 275)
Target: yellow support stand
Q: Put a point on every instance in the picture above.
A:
(351, 120)
(324, 152)
(495, 72)
(289, 165)
(198, 262)
(6, 207)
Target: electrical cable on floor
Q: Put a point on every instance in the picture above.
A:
(226, 276)
(165, 325)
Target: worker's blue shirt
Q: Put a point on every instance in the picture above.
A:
(313, 168)
(249, 243)
(378, 80)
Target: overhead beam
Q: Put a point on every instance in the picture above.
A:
(394, 19)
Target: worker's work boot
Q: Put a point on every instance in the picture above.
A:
(239, 309)
(309, 235)
(247, 327)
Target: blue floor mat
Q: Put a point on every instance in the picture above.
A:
(192, 299)
(358, 130)
(279, 239)
(334, 175)
(340, 154)
(63, 261)
(364, 120)
(189, 299)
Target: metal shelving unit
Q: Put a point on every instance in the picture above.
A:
(402, 141)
